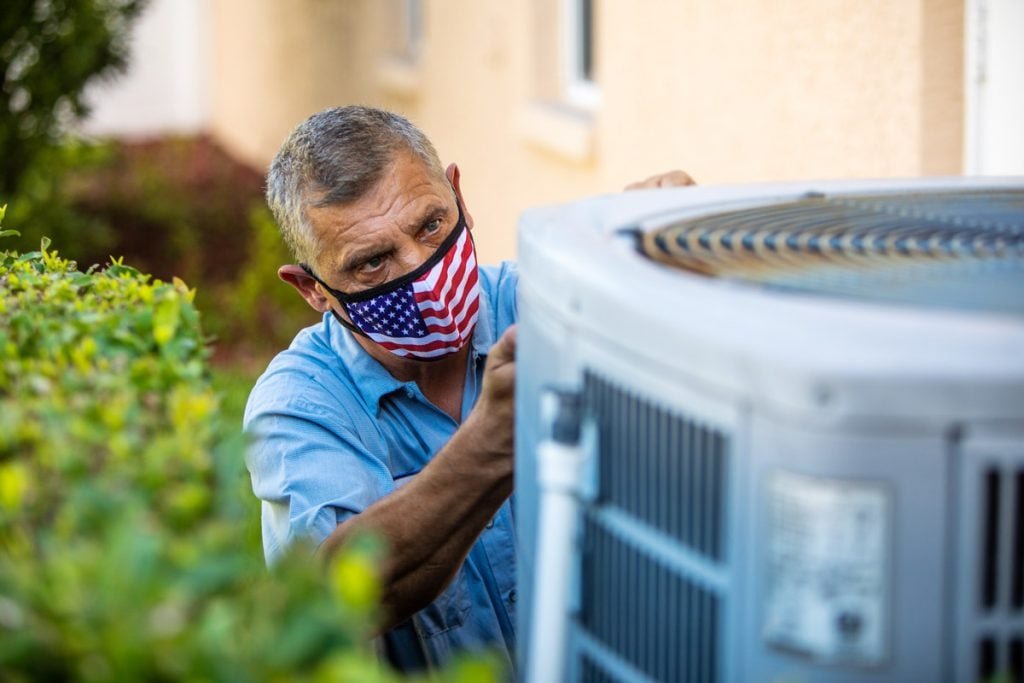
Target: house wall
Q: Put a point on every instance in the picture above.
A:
(729, 90)
(163, 90)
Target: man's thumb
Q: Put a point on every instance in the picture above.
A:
(504, 351)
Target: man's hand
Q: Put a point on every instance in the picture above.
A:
(671, 179)
(494, 414)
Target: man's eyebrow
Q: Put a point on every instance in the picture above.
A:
(430, 213)
(359, 255)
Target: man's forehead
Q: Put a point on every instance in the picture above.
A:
(345, 224)
(404, 178)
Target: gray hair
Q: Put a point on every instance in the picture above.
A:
(335, 157)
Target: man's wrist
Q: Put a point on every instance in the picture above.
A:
(484, 438)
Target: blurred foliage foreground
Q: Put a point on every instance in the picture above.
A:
(129, 546)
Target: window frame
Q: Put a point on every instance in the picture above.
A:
(579, 88)
(411, 49)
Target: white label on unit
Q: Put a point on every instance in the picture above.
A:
(826, 568)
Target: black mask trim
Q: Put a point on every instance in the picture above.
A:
(347, 325)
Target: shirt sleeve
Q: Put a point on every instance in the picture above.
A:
(506, 304)
(310, 465)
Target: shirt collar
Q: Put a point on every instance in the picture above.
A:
(371, 378)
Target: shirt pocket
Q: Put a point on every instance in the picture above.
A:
(448, 611)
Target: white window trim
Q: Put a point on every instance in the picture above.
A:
(994, 65)
(566, 133)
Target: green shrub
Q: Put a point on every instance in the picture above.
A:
(170, 206)
(176, 206)
(127, 547)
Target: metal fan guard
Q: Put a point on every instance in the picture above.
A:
(958, 249)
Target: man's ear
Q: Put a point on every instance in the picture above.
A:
(452, 173)
(305, 285)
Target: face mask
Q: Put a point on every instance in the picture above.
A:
(426, 314)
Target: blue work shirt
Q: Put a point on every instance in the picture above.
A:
(334, 432)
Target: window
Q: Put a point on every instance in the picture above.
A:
(411, 12)
(398, 71)
(560, 115)
(580, 88)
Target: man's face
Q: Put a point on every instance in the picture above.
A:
(387, 233)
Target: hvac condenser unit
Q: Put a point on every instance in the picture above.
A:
(800, 443)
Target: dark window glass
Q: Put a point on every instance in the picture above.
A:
(586, 46)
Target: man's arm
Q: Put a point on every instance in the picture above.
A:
(431, 523)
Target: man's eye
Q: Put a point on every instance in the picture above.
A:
(432, 227)
(371, 264)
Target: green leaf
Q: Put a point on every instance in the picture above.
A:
(165, 320)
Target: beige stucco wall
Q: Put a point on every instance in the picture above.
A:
(730, 90)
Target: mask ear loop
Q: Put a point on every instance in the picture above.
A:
(347, 325)
(344, 323)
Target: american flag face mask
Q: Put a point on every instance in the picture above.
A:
(426, 314)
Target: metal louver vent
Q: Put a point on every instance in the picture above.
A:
(1000, 648)
(662, 624)
(662, 468)
(591, 672)
(665, 474)
(962, 249)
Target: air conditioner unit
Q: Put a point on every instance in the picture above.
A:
(801, 442)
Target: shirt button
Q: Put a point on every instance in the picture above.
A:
(512, 595)
(490, 524)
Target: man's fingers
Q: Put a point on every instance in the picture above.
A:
(675, 178)
(504, 351)
(496, 401)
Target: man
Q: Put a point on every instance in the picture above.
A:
(395, 414)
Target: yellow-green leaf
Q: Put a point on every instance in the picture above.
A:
(14, 481)
(165, 320)
(179, 284)
(354, 580)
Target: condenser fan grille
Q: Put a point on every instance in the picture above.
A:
(962, 249)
